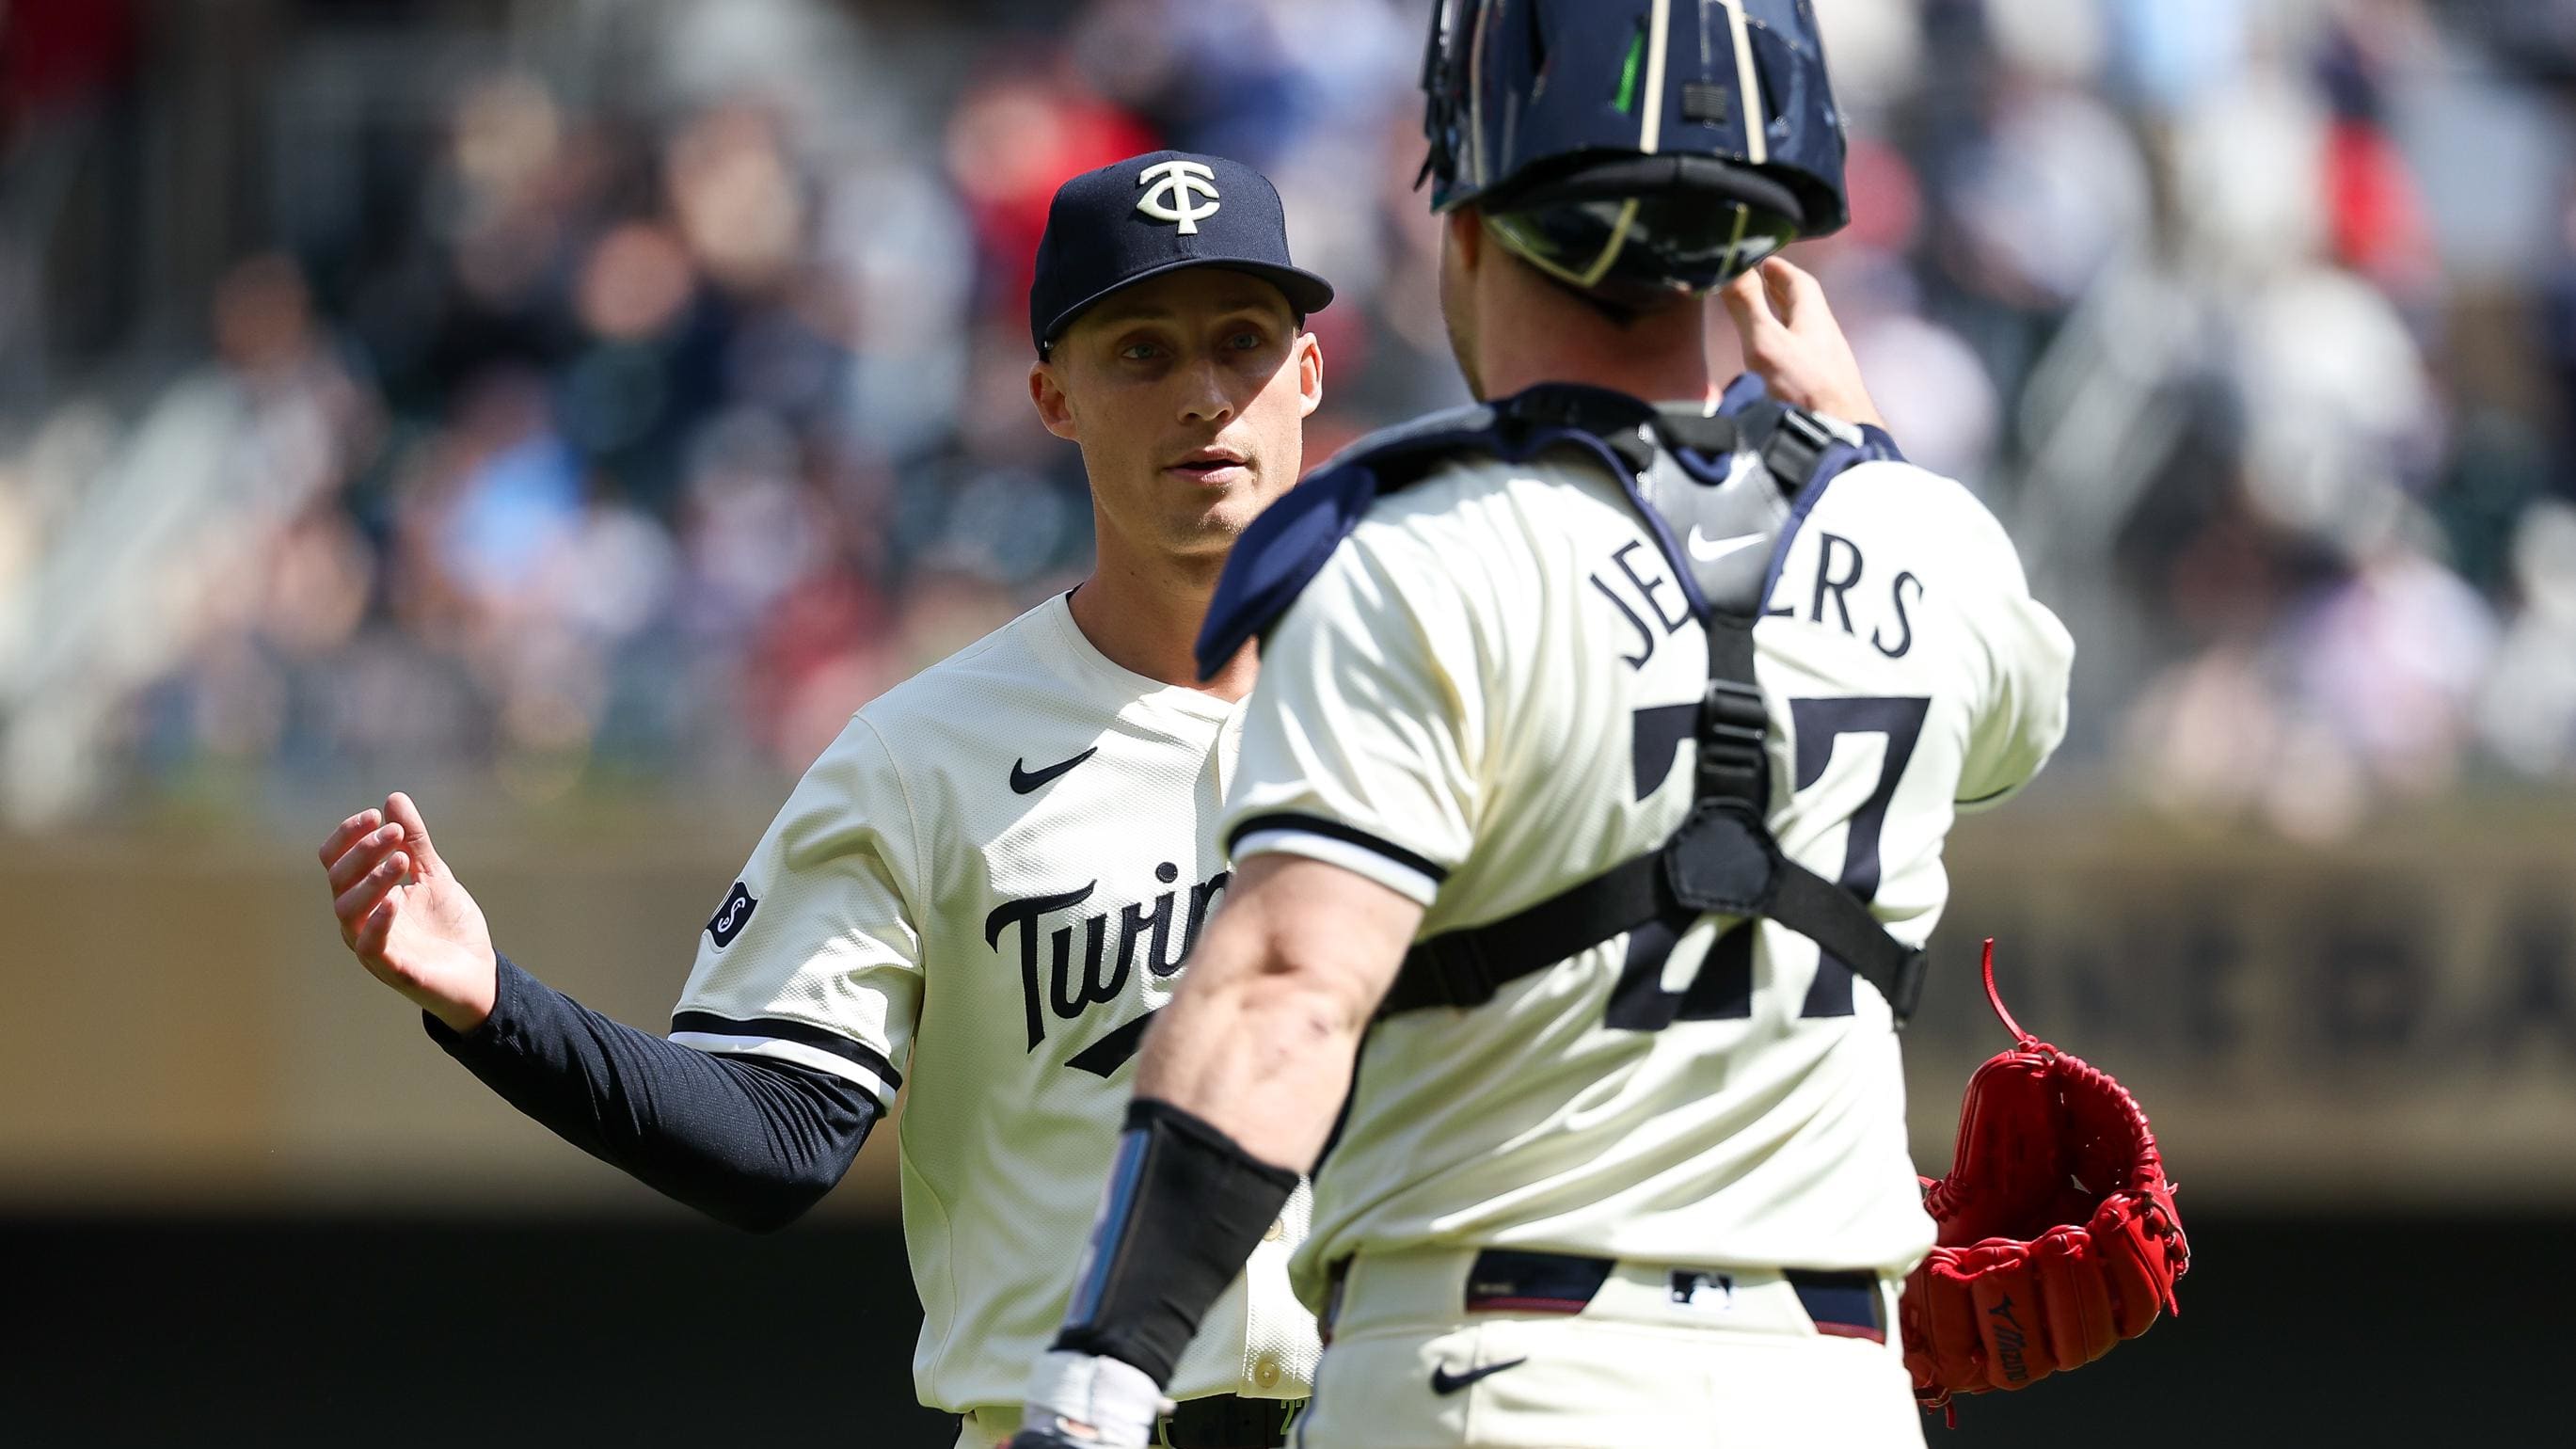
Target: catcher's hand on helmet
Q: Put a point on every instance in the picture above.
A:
(2058, 1233)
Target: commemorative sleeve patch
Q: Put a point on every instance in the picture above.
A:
(732, 916)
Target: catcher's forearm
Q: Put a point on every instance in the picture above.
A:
(746, 1140)
(1258, 1048)
(1260, 1038)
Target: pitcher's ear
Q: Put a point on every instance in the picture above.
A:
(1054, 405)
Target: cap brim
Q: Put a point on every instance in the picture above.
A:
(1307, 293)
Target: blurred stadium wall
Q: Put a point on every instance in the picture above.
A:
(569, 410)
(2388, 1025)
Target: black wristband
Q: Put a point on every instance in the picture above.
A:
(1186, 1206)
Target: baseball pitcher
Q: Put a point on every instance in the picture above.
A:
(984, 889)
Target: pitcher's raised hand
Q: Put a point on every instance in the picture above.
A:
(405, 915)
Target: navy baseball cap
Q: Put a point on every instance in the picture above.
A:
(1158, 213)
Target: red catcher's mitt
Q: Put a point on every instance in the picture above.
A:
(2058, 1234)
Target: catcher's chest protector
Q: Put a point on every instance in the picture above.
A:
(1719, 494)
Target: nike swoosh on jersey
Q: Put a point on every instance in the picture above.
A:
(1445, 1382)
(1710, 550)
(1024, 780)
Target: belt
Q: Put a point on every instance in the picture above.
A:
(1508, 1280)
(1519, 1281)
(1221, 1422)
(1228, 1422)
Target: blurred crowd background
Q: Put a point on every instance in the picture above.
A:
(574, 396)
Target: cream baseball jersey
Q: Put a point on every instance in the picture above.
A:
(981, 891)
(1486, 697)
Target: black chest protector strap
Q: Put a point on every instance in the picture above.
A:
(1707, 487)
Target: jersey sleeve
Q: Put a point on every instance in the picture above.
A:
(814, 955)
(2030, 658)
(1362, 740)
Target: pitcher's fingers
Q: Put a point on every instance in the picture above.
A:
(363, 856)
(346, 834)
(377, 929)
(353, 904)
(400, 809)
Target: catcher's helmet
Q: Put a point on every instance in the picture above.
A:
(1635, 148)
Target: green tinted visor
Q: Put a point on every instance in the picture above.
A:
(1658, 243)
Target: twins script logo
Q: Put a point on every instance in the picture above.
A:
(1183, 182)
(1093, 975)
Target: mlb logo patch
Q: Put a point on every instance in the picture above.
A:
(1703, 1290)
(732, 916)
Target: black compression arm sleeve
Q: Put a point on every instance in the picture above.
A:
(749, 1141)
(1186, 1207)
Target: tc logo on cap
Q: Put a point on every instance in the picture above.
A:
(1183, 182)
